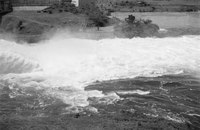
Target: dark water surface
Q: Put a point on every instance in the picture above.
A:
(166, 102)
(42, 87)
(175, 98)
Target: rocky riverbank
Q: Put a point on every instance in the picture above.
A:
(135, 28)
(32, 27)
(149, 5)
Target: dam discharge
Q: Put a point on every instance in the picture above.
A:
(62, 68)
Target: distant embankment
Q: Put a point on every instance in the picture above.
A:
(34, 2)
(28, 8)
(150, 5)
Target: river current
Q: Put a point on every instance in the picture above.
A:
(160, 75)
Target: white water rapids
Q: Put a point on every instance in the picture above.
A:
(65, 66)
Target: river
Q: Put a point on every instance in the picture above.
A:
(155, 77)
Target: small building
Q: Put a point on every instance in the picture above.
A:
(76, 2)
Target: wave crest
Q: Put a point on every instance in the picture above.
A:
(75, 63)
(13, 63)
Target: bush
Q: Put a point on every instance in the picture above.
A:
(130, 19)
(93, 12)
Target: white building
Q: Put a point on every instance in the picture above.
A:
(76, 2)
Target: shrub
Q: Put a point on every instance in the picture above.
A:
(130, 19)
(96, 15)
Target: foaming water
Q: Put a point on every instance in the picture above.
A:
(63, 67)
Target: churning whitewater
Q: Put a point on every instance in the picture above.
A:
(63, 67)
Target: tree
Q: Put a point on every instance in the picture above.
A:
(93, 12)
(130, 19)
(97, 18)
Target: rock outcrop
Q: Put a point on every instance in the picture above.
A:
(18, 25)
(29, 31)
(32, 27)
(137, 29)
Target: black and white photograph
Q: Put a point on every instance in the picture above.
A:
(99, 64)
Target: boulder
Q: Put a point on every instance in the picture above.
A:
(139, 29)
(32, 27)
(24, 29)
(18, 25)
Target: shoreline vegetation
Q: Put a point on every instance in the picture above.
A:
(93, 22)
(146, 6)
